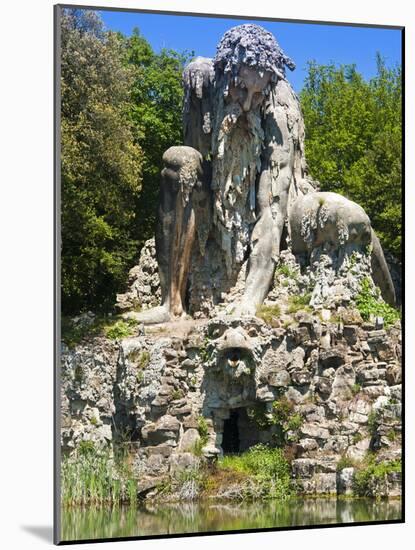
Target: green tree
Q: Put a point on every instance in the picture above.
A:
(156, 116)
(354, 140)
(101, 164)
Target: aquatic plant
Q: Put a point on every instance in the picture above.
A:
(91, 476)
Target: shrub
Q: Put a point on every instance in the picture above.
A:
(74, 331)
(205, 351)
(356, 389)
(177, 394)
(366, 481)
(287, 271)
(203, 430)
(372, 421)
(120, 329)
(268, 467)
(357, 437)
(345, 462)
(369, 302)
(282, 416)
(144, 360)
(189, 482)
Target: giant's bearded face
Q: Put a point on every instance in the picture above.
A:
(249, 87)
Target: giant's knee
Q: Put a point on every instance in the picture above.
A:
(327, 218)
(182, 164)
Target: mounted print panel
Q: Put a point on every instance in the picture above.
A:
(229, 294)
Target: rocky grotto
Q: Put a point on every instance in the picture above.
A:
(261, 313)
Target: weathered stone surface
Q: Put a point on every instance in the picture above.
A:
(143, 282)
(279, 379)
(333, 358)
(163, 401)
(166, 429)
(189, 440)
(307, 444)
(337, 444)
(393, 375)
(345, 481)
(314, 430)
(319, 484)
(351, 332)
(322, 385)
(146, 484)
(164, 450)
(359, 450)
(183, 461)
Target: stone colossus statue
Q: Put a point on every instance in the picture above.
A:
(226, 195)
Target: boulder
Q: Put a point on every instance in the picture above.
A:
(313, 430)
(345, 481)
(333, 357)
(279, 379)
(183, 461)
(166, 429)
(189, 440)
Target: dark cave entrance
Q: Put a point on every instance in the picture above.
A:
(230, 441)
(239, 432)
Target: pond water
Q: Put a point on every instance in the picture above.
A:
(125, 521)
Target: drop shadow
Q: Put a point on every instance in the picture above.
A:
(43, 532)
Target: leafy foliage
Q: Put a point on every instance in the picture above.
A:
(369, 302)
(121, 109)
(74, 330)
(203, 430)
(267, 465)
(345, 462)
(100, 164)
(283, 416)
(156, 116)
(368, 479)
(354, 140)
(287, 271)
(120, 329)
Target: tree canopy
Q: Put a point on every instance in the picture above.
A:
(120, 109)
(354, 140)
(156, 117)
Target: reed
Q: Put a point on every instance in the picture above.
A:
(92, 477)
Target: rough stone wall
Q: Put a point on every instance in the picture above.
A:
(343, 380)
(143, 285)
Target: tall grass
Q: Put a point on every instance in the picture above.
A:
(270, 314)
(299, 302)
(266, 466)
(92, 477)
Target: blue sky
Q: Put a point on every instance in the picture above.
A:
(300, 41)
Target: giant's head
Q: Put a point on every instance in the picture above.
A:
(247, 62)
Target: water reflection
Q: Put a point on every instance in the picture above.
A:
(198, 517)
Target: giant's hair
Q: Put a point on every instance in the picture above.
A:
(254, 46)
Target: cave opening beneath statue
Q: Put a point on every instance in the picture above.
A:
(239, 432)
